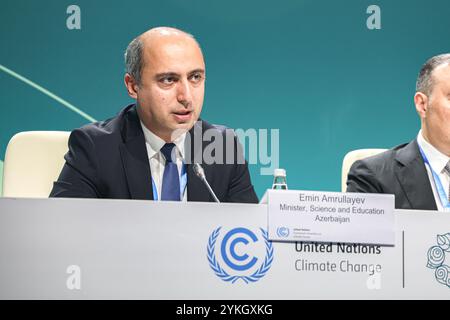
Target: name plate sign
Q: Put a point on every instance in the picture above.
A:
(317, 216)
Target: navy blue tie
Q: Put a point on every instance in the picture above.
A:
(171, 180)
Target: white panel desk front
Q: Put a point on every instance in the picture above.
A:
(122, 249)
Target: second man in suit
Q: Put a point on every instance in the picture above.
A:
(417, 173)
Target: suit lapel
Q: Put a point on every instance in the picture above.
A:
(196, 190)
(135, 158)
(412, 176)
(194, 146)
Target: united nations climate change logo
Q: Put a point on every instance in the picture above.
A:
(436, 259)
(283, 232)
(232, 262)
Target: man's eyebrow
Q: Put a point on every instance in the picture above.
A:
(166, 74)
(202, 71)
(174, 74)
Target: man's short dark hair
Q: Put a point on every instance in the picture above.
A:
(133, 59)
(424, 82)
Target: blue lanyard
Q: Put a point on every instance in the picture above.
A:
(183, 184)
(437, 182)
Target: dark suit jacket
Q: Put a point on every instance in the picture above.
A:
(399, 171)
(109, 160)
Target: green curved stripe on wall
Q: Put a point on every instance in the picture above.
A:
(47, 93)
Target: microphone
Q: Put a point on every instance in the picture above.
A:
(199, 172)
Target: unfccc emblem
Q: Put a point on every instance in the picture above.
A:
(240, 254)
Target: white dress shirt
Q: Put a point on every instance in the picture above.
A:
(157, 160)
(437, 161)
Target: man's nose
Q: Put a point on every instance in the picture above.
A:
(184, 94)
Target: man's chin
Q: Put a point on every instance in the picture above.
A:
(181, 128)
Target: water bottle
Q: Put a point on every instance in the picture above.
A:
(279, 179)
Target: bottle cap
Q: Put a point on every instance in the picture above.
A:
(279, 172)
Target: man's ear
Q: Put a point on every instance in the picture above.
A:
(131, 85)
(421, 102)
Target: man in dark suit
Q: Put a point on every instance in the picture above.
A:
(417, 173)
(148, 150)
